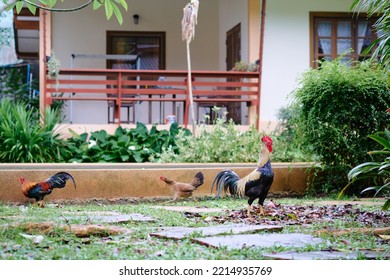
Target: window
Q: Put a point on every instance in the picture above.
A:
(149, 46)
(333, 34)
(26, 34)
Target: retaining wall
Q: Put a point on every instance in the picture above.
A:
(122, 180)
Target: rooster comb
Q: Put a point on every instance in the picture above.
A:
(266, 139)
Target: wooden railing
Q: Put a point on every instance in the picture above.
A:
(119, 85)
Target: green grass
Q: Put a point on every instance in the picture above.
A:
(139, 245)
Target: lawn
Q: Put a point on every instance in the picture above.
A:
(23, 235)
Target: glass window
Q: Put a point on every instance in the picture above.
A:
(26, 34)
(149, 46)
(337, 34)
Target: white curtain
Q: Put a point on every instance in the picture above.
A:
(344, 30)
(7, 38)
(362, 29)
(325, 30)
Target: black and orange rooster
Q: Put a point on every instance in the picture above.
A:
(255, 185)
(39, 190)
(184, 190)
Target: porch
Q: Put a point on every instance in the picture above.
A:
(151, 93)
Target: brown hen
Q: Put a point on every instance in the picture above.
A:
(184, 190)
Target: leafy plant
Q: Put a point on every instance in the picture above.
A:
(287, 148)
(16, 87)
(26, 138)
(224, 142)
(380, 46)
(111, 7)
(338, 106)
(125, 145)
(378, 171)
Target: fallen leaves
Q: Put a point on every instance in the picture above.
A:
(308, 214)
(375, 231)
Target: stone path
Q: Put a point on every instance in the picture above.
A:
(111, 217)
(259, 240)
(182, 232)
(328, 255)
(190, 209)
(231, 236)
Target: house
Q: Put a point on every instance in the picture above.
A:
(295, 34)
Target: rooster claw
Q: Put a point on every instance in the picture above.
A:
(41, 204)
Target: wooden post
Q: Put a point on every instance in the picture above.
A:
(263, 8)
(44, 45)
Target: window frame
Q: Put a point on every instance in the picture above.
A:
(334, 17)
(161, 35)
(26, 24)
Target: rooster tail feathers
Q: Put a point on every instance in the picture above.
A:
(198, 180)
(227, 181)
(59, 179)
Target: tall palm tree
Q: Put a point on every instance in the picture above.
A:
(382, 25)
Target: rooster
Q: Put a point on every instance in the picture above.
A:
(184, 190)
(255, 185)
(39, 190)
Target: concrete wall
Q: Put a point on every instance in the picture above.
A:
(115, 181)
(287, 48)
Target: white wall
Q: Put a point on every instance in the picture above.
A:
(231, 13)
(287, 48)
(286, 42)
(84, 32)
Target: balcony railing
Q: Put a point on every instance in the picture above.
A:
(120, 86)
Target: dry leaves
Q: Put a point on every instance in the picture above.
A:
(308, 214)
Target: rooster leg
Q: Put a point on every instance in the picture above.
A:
(41, 204)
(172, 200)
(249, 209)
(261, 210)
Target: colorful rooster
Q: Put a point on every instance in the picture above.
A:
(39, 190)
(255, 185)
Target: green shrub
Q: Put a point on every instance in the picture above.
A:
(125, 145)
(378, 171)
(15, 87)
(338, 106)
(224, 142)
(24, 138)
(287, 148)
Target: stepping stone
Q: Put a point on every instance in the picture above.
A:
(190, 209)
(259, 240)
(112, 217)
(122, 218)
(327, 255)
(182, 232)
